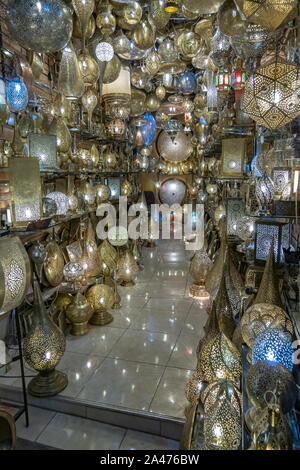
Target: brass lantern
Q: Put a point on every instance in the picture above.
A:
(127, 269)
(268, 13)
(101, 297)
(271, 96)
(200, 266)
(263, 377)
(194, 386)
(220, 359)
(268, 291)
(222, 425)
(44, 347)
(79, 313)
(220, 390)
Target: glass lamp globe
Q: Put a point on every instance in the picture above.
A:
(105, 20)
(187, 82)
(17, 95)
(148, 131)
(273, 346)
(104, 51)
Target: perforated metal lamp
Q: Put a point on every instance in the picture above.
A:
(265, 231)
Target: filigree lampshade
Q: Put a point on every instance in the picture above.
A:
(220, 390)
(268, 291)
(83, 10)
(271, 96)
(264, 190)
(43, 26)
(262, 316)
(70, 81)
(222, 425)
(200, 265)
(79, 312)
(267, 231)
(61, 200)
(194, 386)
(220, 359)
(101, 297)
(44, 346)
(127, 269)
(224, 309)
(269, 13)
(44, 146)
(89, 68)
(274, 346)
(63, 136)
(15, 273)
(263, 377)
(105, 20)
(17, 95)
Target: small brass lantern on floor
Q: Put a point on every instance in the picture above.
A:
(79, 312)
(101, 297)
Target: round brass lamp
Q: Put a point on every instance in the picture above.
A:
(79, 313)
(101, 297)
(127, 269)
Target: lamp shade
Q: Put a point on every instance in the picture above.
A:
(118, 89)
(148, 131)
(15, 273)
(17, 95)
(43, 146)
(273, 346)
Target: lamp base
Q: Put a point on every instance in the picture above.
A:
(48, 384)
(199, 293)
(100, 318)
(116, 305)
(79, 329)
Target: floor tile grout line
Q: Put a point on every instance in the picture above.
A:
(44, 428)
(159, 382)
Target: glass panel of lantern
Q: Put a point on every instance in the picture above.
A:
(44, 147)
(235, 210)
(238, 76)
(265, 231)
(114, 186)
(223, 79)
(282, 182)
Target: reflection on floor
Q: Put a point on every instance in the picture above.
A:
(70, 432)
(143, 359)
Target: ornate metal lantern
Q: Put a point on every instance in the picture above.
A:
(44, 147)
(265, 232)
(259, 317)
(271, 96)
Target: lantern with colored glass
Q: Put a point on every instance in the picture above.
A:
(172, 6)
(274, 346)
(238, 76)
(223, 79)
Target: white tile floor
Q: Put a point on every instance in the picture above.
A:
(67, 432)
(143, 359)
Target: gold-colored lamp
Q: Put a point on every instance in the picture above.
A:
(127, 269)
(220, 359)
(199, 268)
(15, 273)
(79, 312)
(259, 317)
(44, 347)
(101, 297)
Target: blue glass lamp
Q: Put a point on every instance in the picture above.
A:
(187, 82)
(148, 130)
(273, 346)
(17, 95)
